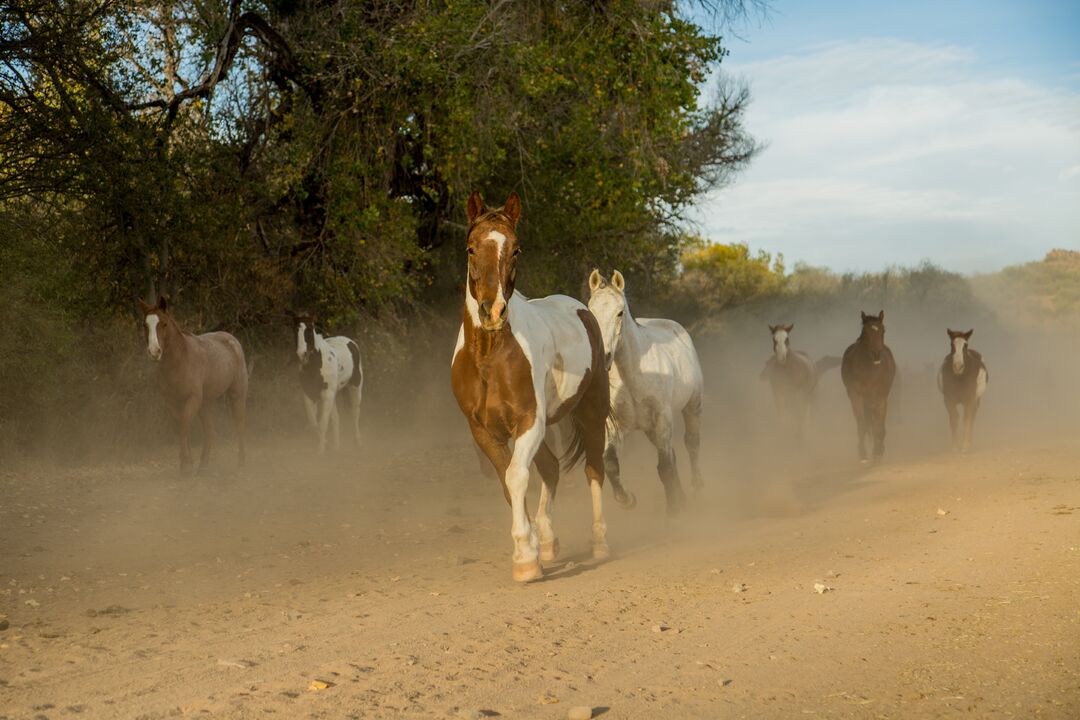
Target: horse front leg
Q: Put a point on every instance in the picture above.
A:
(954, 424)
(612, 443)
(969, 423)
(879, 411)
(692, 440)
(660, 436)
(526, 546)
(858, 409)
(186, 414)
(548, 466)
(326, 407)
(335, 424)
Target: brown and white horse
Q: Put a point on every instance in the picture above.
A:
(519, 366)
(193, 371)
(793, 378)
(962, 381)
(868, 369)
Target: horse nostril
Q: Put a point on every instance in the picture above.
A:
(485, 309)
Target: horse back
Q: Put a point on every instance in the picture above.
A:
(224, 365)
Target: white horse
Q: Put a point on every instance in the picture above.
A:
(328, 367)
(654, 372)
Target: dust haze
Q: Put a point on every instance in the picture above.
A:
(383, 571)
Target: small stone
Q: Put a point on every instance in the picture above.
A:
(470, 714)
(4, 625)
(226, 662)
(581, 712)
(832, 574)
(33, 603)
(942, 513)
(715, 571)
(723, 683)
(320, 685)
(821, 588)
(738, 587)
(660, 628)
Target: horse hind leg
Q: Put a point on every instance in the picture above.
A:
(206, 419)
(186, 414)
(858, 409)
(354, 403)
(692, 440)
(969, 423)
(548, 465)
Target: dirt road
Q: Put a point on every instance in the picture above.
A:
(955, 589)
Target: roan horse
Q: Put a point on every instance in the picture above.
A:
(868, 370)
(962, 381)
(519, 366)
(793, 378)
(194, 371)
(653, 372)
(329, 368)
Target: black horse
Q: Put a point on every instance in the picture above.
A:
(868, 370)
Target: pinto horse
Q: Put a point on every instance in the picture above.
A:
(519, 366)
(329, 368)
(653, 373)
(868, 369)
(793, 378)
(193, 371)
(962, 381)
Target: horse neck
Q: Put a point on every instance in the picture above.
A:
(633, 341)
(176, 355)
(479, 342)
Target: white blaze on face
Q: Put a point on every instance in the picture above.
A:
(958, 345)
(301, 343)
(500, 299)
(780, 345)
(153, 345)
(609, 308)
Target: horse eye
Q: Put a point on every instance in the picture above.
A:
(470, 251)
(517, 251)
(620, 313)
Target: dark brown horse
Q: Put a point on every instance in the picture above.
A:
(519, 366)
(962, 381)
(868, 370)
(194, 371)
(793, 378)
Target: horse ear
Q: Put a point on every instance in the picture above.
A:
(512, 208)
(144, 306)
(789, 327)
(475, 207)
(773, 329)
(969, 333)
(865, 317)
(596, 281)
(881, 315)
(950, 333)
(618, 281)
(163, 302)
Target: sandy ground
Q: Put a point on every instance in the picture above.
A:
(130, 593)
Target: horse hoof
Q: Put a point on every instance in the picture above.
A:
(549, 551)
(527, 571)
(600, 551)
(626, 500)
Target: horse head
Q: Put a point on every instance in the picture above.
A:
(958, 342)
(304, 324)
(493, 250)
(873, 335)
(607, 301)
(159, 325)
(781, 340)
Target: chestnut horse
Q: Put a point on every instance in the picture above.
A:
(868, 369)
(519, 366)
(193, 371)
(793, 378)
(962, 381)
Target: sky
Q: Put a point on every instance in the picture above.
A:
(899, 132)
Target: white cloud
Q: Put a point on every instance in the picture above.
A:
(885, 151)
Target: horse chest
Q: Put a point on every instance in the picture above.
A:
(312, 381)
(495, 392)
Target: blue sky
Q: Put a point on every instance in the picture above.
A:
(898, 132)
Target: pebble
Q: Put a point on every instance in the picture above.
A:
(581, 712)
(820, 588)
(4, 624)
(738, 587)
(225, 662)
(660, 628)
(470, 714)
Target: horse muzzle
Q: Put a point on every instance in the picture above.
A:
(154, 353)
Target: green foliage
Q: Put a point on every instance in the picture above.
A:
(1045, 292)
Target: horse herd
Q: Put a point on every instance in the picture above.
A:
(522, 369)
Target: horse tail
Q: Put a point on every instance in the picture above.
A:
(357, 378)
(575, 445)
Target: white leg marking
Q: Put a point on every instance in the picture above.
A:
(599, 527)
(526, 546)
(310, 406)
(326, 406)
